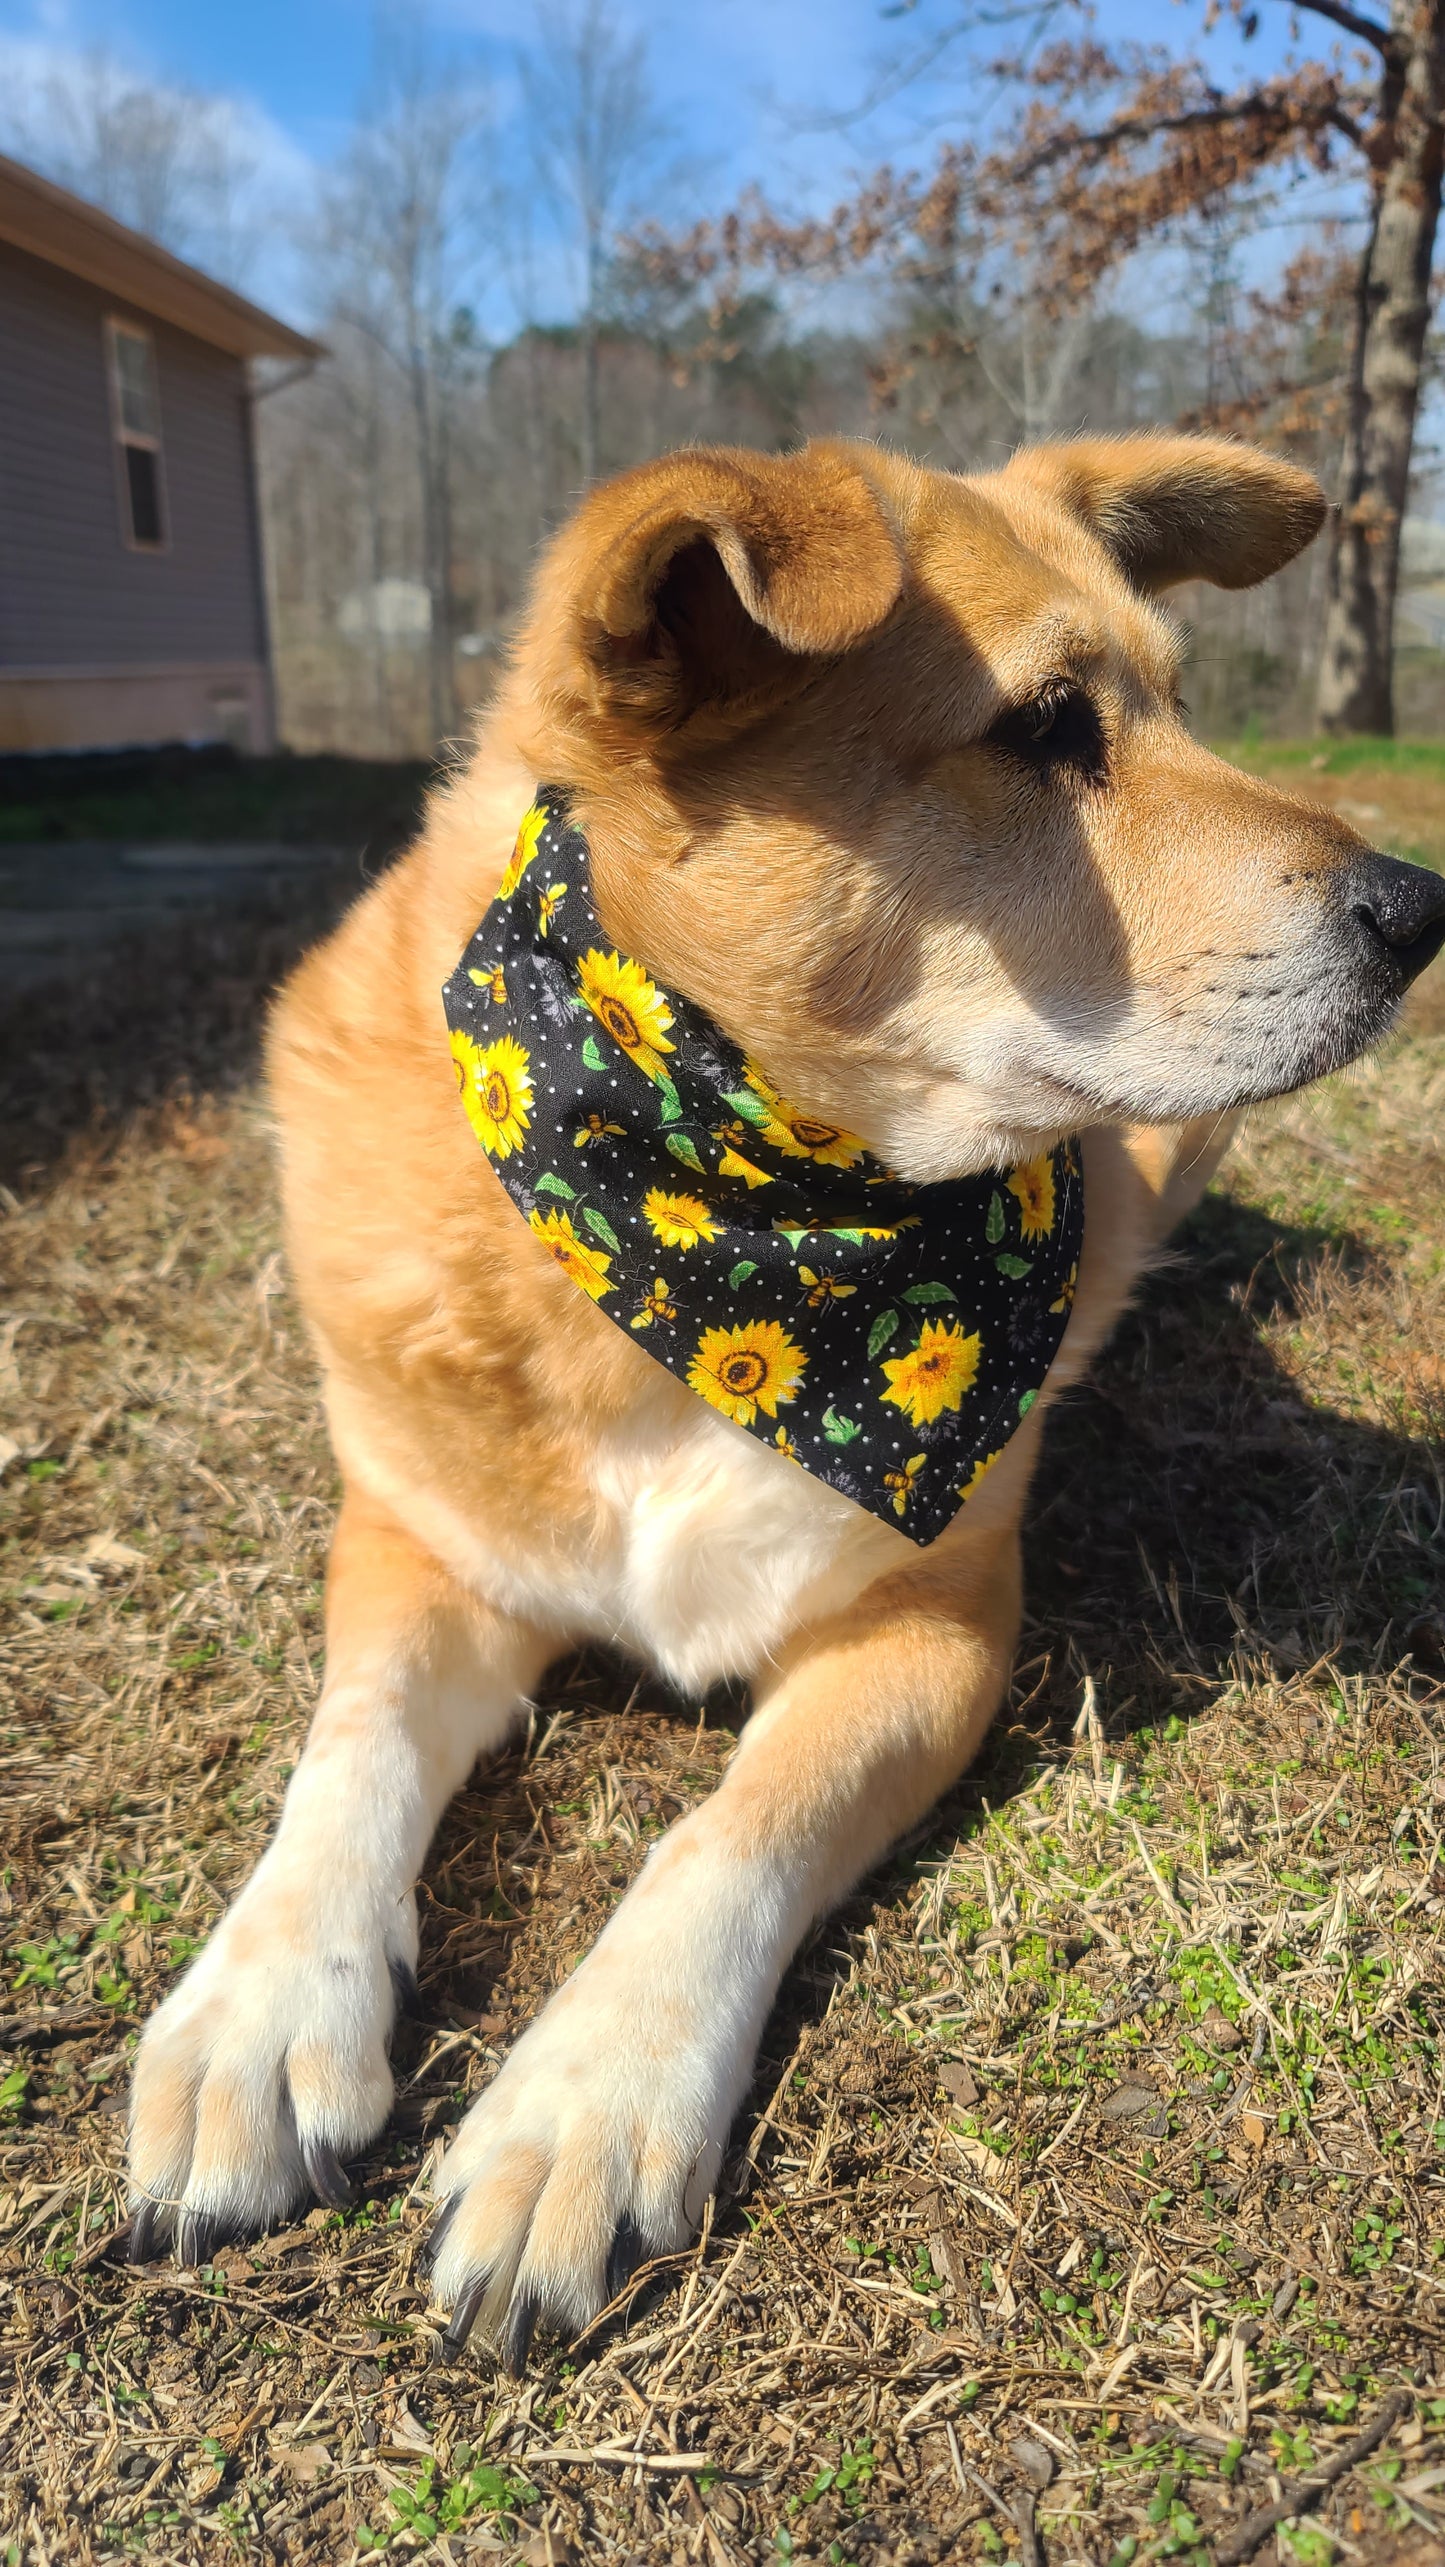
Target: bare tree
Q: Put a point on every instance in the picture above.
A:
(406, 217)
(1109, 148)
(159, 156)
(594, 132)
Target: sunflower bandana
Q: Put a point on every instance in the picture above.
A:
(887, 1337)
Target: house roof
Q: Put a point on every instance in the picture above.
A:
(47, 220)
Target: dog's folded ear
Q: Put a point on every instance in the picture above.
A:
(1174, 508)
(706, 581)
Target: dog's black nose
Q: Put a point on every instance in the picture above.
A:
(1401, 909)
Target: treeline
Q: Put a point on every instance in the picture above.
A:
(370, 652)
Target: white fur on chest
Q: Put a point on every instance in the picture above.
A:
(708, 1549)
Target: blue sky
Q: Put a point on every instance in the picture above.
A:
(737, 80)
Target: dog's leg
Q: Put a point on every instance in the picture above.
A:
(268, 2063)
(603, 2133)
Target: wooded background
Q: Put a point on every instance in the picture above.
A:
(1118, 236)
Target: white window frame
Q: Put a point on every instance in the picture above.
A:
(122, 436)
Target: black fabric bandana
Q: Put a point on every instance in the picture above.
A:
(888, 1337)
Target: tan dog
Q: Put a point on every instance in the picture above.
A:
(885, 770)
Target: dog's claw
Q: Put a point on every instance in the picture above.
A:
(439, 2227)
(325, 2174)
(404, 1986)
(628, 2251)
(141, 2243)
(517, 2335)
(464, 2316)
(196, 2238)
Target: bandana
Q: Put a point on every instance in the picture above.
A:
(887, 1337)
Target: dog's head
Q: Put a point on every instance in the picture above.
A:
(888, 770)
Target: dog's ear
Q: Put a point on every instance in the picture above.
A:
(704, 582)
(1173, 508)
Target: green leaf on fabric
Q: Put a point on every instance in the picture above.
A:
(671, 1108)
(1014, 1267)
(592, 1053)
(931, 1292)
(1027, 1401)
(793, 1237)
(993, 1227)
(839, 1430)
(548, 1184)
(855, 1238)
(741, 1272)
(681, 1148)
(750, 1107)
(601, 1229)
(882, 1332)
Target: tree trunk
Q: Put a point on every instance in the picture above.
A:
(1392, 311)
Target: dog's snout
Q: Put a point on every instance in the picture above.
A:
(1401, 909)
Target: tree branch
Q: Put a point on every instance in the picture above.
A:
(1368, 32)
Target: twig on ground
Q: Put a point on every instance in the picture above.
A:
(1244, 2542)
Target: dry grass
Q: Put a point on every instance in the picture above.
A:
(1093, 2164)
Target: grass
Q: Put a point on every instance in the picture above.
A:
(1094, 2162)
(210, 795)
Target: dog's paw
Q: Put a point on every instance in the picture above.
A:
(602, 2135)
(263, 2069)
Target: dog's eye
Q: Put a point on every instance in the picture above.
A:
(1059, 728)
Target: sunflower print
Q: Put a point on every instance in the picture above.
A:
(581, 1263)
(742, 1370)
(937, 1373)
(678, 1220)
(799, 1135)
(630, 1007)
(981, 1468)
(1032, 1187)
(733, 1163)
(525, 849)
(883, 1337)
(496, 1089)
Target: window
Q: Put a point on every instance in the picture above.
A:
(136, 417)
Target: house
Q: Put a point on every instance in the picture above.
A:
(132, 599)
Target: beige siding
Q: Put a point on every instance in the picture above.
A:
(73, 594)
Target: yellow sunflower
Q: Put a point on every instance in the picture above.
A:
(937, 1373)
(799, 1135)
(678, 1220)
(742, 1370)
(583, 1265)
(1033, 1187)
(496, 1089)
(630, 1006)
(732, 1163)
(902, 1482)
(523, 852)
(978, 1472)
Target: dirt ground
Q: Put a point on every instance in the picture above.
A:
(1090, 2193)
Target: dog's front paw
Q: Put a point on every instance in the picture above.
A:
(599, 2140)
(264, 2068)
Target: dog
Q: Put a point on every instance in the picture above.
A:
(884, 787)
